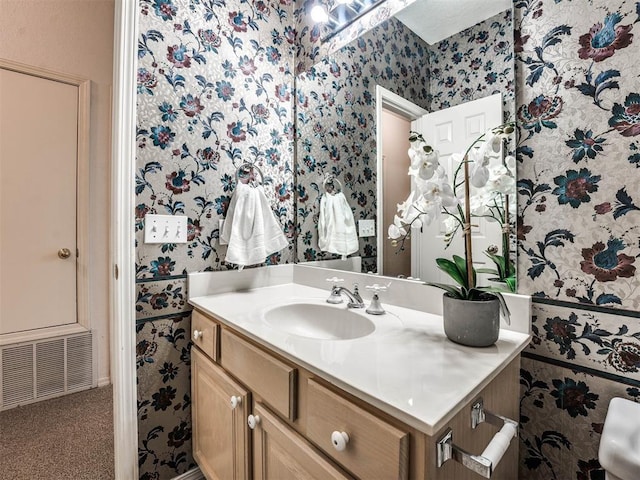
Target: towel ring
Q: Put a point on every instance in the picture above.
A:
(328, 184)
(246, 168)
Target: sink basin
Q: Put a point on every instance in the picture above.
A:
(322, 322)
(619, 452)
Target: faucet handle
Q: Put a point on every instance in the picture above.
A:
(335, 296)
(378, 288)
(376, 308)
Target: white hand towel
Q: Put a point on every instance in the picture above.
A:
(274, 238)
(336, 226)
(250, 228)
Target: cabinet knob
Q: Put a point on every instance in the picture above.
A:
(339, 440)
(253, 421)
(235, 401)
(197, 334)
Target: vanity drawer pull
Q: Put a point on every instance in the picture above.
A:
(253, 421)
(235, 401)
(339, 440)
(204, 332)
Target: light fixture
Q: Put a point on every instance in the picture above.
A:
(341, 14)
(319, 14)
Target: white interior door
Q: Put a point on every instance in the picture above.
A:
(451, 131)
(38, 161)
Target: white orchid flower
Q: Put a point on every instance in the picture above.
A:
(500, 179)
(449, 225)
(396, 229)
(492, 145)
(425, 166)
(478, 168)
(480, 202)
(510, 163)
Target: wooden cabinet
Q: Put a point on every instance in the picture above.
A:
(374, 449)
(220, 431)
(205, 334)
(280, 453)
(310, 429)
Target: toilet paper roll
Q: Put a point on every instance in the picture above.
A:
(499, 444)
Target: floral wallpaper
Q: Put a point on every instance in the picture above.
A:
(578, 119)
(578, 151)
(215, 90)
(473, 64)
(336, 121)
(316, 42)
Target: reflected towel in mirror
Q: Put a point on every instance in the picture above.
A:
(336, 226)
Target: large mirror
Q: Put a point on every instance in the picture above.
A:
(356, 107)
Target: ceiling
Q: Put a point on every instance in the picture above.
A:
(435, 20)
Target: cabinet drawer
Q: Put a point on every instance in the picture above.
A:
(204, 333)
(266, 376)
(375, 449)
(280, 453)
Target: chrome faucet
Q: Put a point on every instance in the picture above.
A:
(355, 300)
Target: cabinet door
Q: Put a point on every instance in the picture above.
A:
(220, 432)
(281, 454)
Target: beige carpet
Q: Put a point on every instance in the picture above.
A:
(66, 438)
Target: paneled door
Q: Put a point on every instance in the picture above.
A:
(451, 131)
(42, 122)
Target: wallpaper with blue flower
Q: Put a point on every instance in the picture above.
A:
(473, 64)
(215, 90)
(579, 128)
(336, 121)
(578, 113)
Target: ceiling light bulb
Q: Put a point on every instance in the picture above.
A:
(319, 14)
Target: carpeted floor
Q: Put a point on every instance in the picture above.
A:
(66, 438)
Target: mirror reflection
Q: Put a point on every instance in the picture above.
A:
(356, 107)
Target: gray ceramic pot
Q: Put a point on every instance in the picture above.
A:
(475, 323)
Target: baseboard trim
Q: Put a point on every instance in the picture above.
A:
(104, 381)
(193, 474)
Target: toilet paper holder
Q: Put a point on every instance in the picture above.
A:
(485, 463)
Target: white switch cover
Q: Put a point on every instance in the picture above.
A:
(366, 228)
(165, 229)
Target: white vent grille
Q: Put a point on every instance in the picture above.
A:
(43, 369)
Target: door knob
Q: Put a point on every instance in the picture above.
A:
(64, 253)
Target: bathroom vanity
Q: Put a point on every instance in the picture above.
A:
(389, 398)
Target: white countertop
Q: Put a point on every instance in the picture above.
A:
(406, 367)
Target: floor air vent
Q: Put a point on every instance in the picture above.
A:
(43, 369)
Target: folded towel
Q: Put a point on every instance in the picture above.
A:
(336, 226)
(250, 229)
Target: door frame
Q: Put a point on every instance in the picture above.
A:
(83, 319)
(386, 99)
(122, 261)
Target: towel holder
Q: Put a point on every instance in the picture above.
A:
(329, 184)
(246, 168)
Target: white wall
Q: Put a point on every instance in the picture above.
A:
(76, 37)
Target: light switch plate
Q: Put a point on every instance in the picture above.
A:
(165, 229)
(366, 228)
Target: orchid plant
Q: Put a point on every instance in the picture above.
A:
(434, 195)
